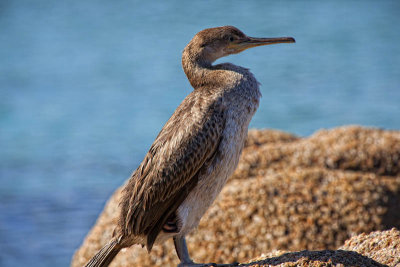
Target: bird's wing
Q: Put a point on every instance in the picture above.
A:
(170, 169)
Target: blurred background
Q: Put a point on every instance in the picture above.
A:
(85, 87)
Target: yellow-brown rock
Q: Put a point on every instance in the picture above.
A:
(321, 258)
(288, 193)
(383, 247)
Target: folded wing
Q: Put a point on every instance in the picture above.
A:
(170, 170)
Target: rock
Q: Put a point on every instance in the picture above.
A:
(380, 248)
(339, 258)
(344, 148)
(383, 247)
(288, 193)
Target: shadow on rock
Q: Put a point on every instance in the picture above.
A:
(391, 218)
(317, 258)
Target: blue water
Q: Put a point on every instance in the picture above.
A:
(85, 86)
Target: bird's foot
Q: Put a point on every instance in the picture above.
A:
(192, 264)
(183, 254)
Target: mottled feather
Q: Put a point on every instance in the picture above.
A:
(169, 171)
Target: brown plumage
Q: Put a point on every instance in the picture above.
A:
(195, 152)
(170, 170)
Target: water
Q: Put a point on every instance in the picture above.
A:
(85, 86)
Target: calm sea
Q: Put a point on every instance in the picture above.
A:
(85, 86)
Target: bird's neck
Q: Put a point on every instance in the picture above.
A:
(199, 70)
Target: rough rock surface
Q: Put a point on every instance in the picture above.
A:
(383, 247)
(339, 258)
(288, 193)
(380, 248)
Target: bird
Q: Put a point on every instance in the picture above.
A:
(195, 152)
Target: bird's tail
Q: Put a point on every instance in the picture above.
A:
(105, 255)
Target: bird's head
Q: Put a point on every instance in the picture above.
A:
(213, 43)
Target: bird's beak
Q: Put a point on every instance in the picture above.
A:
(250, 42)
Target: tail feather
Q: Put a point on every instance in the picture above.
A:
(105, 255)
